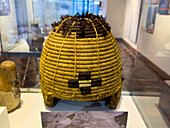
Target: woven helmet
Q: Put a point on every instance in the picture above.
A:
(81, 61)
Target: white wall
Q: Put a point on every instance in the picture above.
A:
(128, 18)
(103, 8)
(29, 11)
(132, 13)
(115, 16)
(156, 46)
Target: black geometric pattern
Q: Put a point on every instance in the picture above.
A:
(84, 82)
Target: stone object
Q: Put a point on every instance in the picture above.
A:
(9, 85)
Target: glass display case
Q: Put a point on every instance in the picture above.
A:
(142, 33)
(27, 25)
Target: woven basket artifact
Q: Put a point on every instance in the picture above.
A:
(81, 61)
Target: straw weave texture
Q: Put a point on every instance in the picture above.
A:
(64, 57)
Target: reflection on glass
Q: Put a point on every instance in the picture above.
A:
(28, 24)
(151, 17)
(4, 7)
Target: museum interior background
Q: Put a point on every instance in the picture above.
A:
(141, 28)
